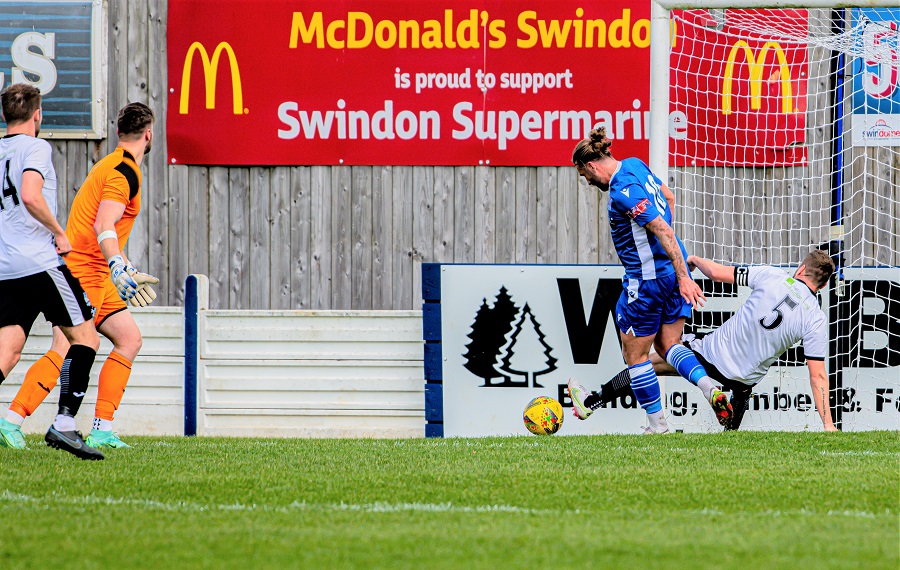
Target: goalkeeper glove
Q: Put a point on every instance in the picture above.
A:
(145, 293)
(121, 277)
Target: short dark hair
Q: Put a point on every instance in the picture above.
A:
(20, 101)
(819, 266)
(134, 119)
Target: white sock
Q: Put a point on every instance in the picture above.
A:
(706, 384)
(14, 418)
(64, 423)
(658, 422)
(102, 425)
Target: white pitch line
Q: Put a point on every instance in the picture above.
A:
(377, 507)
(7, 496)
(865, 452)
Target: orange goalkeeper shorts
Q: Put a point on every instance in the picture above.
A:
(98, 287)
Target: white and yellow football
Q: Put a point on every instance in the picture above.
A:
(543, 416)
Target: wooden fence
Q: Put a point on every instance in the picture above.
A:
(341, 237)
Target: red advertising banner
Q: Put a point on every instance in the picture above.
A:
(740, 98)
(296, 82)
(404, 82)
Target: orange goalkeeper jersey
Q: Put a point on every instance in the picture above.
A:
(116, 177)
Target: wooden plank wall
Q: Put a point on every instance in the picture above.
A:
(354, 237)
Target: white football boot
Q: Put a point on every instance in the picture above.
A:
(578, 393)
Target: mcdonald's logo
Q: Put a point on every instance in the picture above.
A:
(756, 62)
(210, 71)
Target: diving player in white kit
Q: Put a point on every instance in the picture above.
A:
(781, 310)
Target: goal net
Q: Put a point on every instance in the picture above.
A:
(786, 137)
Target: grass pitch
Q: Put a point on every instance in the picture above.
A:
(736, 500)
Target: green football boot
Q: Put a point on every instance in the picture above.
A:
(11, 435)
(104, 439)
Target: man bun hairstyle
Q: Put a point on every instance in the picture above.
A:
(819, 266)
(19, 102)
(592, 148)
(134, 119)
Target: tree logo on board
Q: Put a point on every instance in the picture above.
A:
(508, 348)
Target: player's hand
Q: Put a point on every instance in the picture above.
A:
(830, 427)
(691, 292)
(145, 293)
(63, 247)
(119, 274)
(690, 262)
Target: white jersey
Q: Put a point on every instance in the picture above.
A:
(779, 312)
(26, 246)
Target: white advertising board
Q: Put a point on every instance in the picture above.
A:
(510, 333)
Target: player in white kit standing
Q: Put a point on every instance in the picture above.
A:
(33, 275)
(780, 311)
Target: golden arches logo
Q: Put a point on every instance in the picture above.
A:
(210, 71)
(756, 62)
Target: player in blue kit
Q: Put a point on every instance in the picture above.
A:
(658, 291)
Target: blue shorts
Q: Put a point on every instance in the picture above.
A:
(645, 304)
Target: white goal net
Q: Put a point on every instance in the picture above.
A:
(786, 130)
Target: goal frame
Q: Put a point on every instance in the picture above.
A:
(659, 140)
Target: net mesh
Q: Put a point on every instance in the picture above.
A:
(786, 137)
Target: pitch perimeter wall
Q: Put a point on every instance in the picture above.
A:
(259, 373)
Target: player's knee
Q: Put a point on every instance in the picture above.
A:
(129, 345)
(9, 359)
(664, 342)
(60, 342)
(661, 347)
(635, 356)
(85, 335)
(91, 339)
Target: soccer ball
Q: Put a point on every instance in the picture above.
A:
(543, 416)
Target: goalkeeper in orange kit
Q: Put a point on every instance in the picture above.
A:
(100, 222)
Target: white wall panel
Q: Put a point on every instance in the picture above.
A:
(312, 335)
(154, 399)
(363, 384)
(313, 423)
(262, 373)
(311, 374)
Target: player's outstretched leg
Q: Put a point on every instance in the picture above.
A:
(686, 363)
(590, 401)
(619, 386)
(73, 382)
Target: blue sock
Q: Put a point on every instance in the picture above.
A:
(645, 385)
(685, 362)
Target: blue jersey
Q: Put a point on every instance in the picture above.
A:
(635, 199)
